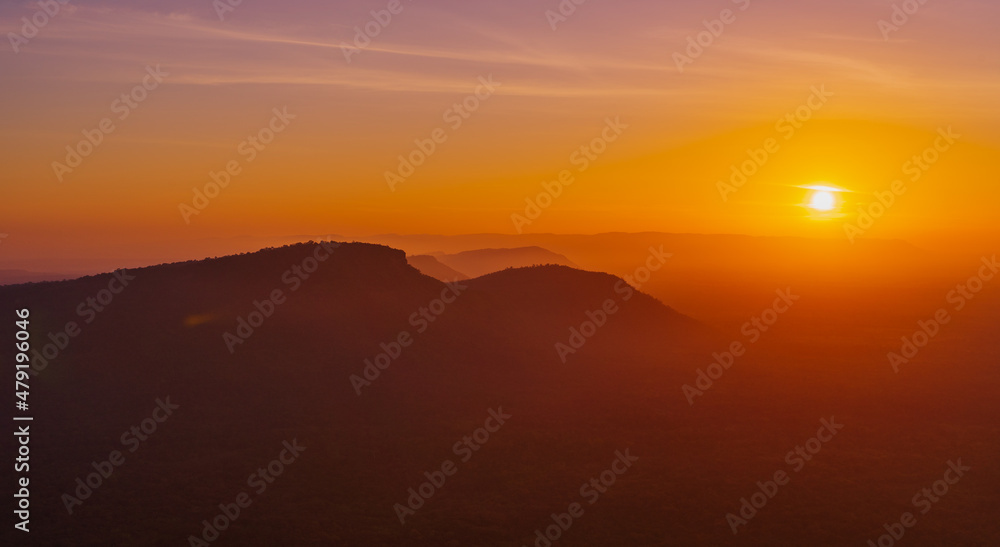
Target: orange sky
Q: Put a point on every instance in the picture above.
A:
(555, 90)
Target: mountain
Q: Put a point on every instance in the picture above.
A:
(721, 280)
(429, 265)
(260, 349)
(480, 262)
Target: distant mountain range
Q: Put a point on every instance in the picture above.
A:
(430, 265)
(480, 262)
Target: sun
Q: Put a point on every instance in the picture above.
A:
(822, 200)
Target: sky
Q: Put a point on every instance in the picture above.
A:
(663, 122)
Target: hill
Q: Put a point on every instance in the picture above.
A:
(280, 345)
(478, 262)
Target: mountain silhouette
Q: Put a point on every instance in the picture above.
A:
(480, 262)
(305, 373)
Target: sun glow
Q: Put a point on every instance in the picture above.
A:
(823, 201)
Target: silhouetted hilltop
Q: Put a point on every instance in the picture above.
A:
(553, 290)
(480, 262)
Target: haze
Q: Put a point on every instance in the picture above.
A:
(325, 173)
